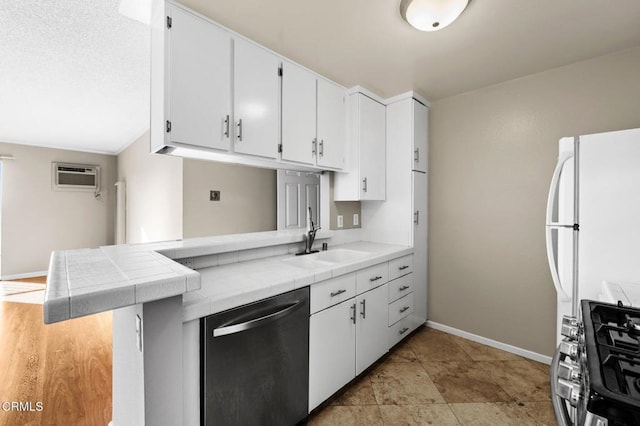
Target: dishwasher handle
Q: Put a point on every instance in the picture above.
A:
(231, 328)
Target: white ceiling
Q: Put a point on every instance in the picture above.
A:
(75, 73)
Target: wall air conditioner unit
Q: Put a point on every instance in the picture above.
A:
(76, 177)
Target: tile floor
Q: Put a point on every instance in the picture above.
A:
(434, 378)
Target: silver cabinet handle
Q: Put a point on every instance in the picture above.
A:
(364, 184)
(226, 125)
(337, 293)
(403, 288)
(403, 267)
(375, 278)
(416, 155)
(232, 328)
(353, 313)
(364, 308)
(314, 146)
(416, 216)
(321, 148)
(240, 130)
(404, 330)
(404, 309)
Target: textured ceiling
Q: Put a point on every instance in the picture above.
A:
(75, 73)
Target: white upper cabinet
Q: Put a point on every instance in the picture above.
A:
(313, 119)
(332, 130)
(298, 114)
(199, 81)
(366, 168)
(256, 100)
(420, 136)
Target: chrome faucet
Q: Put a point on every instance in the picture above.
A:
(310, 235)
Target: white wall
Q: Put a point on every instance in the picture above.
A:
(492, 152)
(154, 193)
(37, 220)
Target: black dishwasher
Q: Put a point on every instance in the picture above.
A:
(255, 363)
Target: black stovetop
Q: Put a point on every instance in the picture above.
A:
(612, 346)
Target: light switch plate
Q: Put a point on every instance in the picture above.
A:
(340, 221)
(356, 219)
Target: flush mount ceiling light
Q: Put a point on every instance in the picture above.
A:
(431, 15)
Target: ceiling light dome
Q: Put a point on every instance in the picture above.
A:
(431, 15)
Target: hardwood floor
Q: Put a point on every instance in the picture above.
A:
(65, 366)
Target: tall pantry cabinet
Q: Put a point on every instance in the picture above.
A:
(402, 218)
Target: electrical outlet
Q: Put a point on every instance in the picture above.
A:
(214, 195)
(340, 221)
(187, 261)
(356, 219)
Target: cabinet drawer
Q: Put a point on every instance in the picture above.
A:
(400, 266)
(400, 287)
(400, 330)
(372, 277)
(332, 292)
(401, 308)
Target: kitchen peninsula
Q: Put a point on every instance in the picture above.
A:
(159, 292)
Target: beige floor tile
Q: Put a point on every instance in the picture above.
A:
(357, 393)
(430, 414)
(402, 353)
(333, 415)
(523, 380)
(504, 413)
(403, 383)
(480, 352)
(432, 345)
(465, 381)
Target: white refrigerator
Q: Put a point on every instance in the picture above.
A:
(593, 219)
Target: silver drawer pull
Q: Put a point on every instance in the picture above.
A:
(364, 308)
(404, 330)
(375, 278)
(337, 293)
(403, 267)
(404, 309)
(353, 313)
(403, 288)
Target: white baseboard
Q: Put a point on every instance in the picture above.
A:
(489, 342)
(23, 276)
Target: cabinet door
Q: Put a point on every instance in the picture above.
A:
(420, 197)
(298, 114)
(371, 327)
(332, 130)
(199, 81)
(420, 136)
(372, 149)
(332, 344)
(256, 100)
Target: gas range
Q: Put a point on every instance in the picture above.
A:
(595, 373)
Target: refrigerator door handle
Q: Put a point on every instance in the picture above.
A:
(555, 181)
(552, 266)
(553, 188)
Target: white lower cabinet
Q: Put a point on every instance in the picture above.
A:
(332, 344)
(370, 327)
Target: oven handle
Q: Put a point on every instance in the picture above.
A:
(559, 405)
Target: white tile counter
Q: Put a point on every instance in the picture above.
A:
(228, 286)
(88, 281)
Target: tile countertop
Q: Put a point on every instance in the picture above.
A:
(233, 285)
(88, 281)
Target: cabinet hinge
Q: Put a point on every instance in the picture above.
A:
(169, 21)
(279, 71)
(168, 126)
(279, 147)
